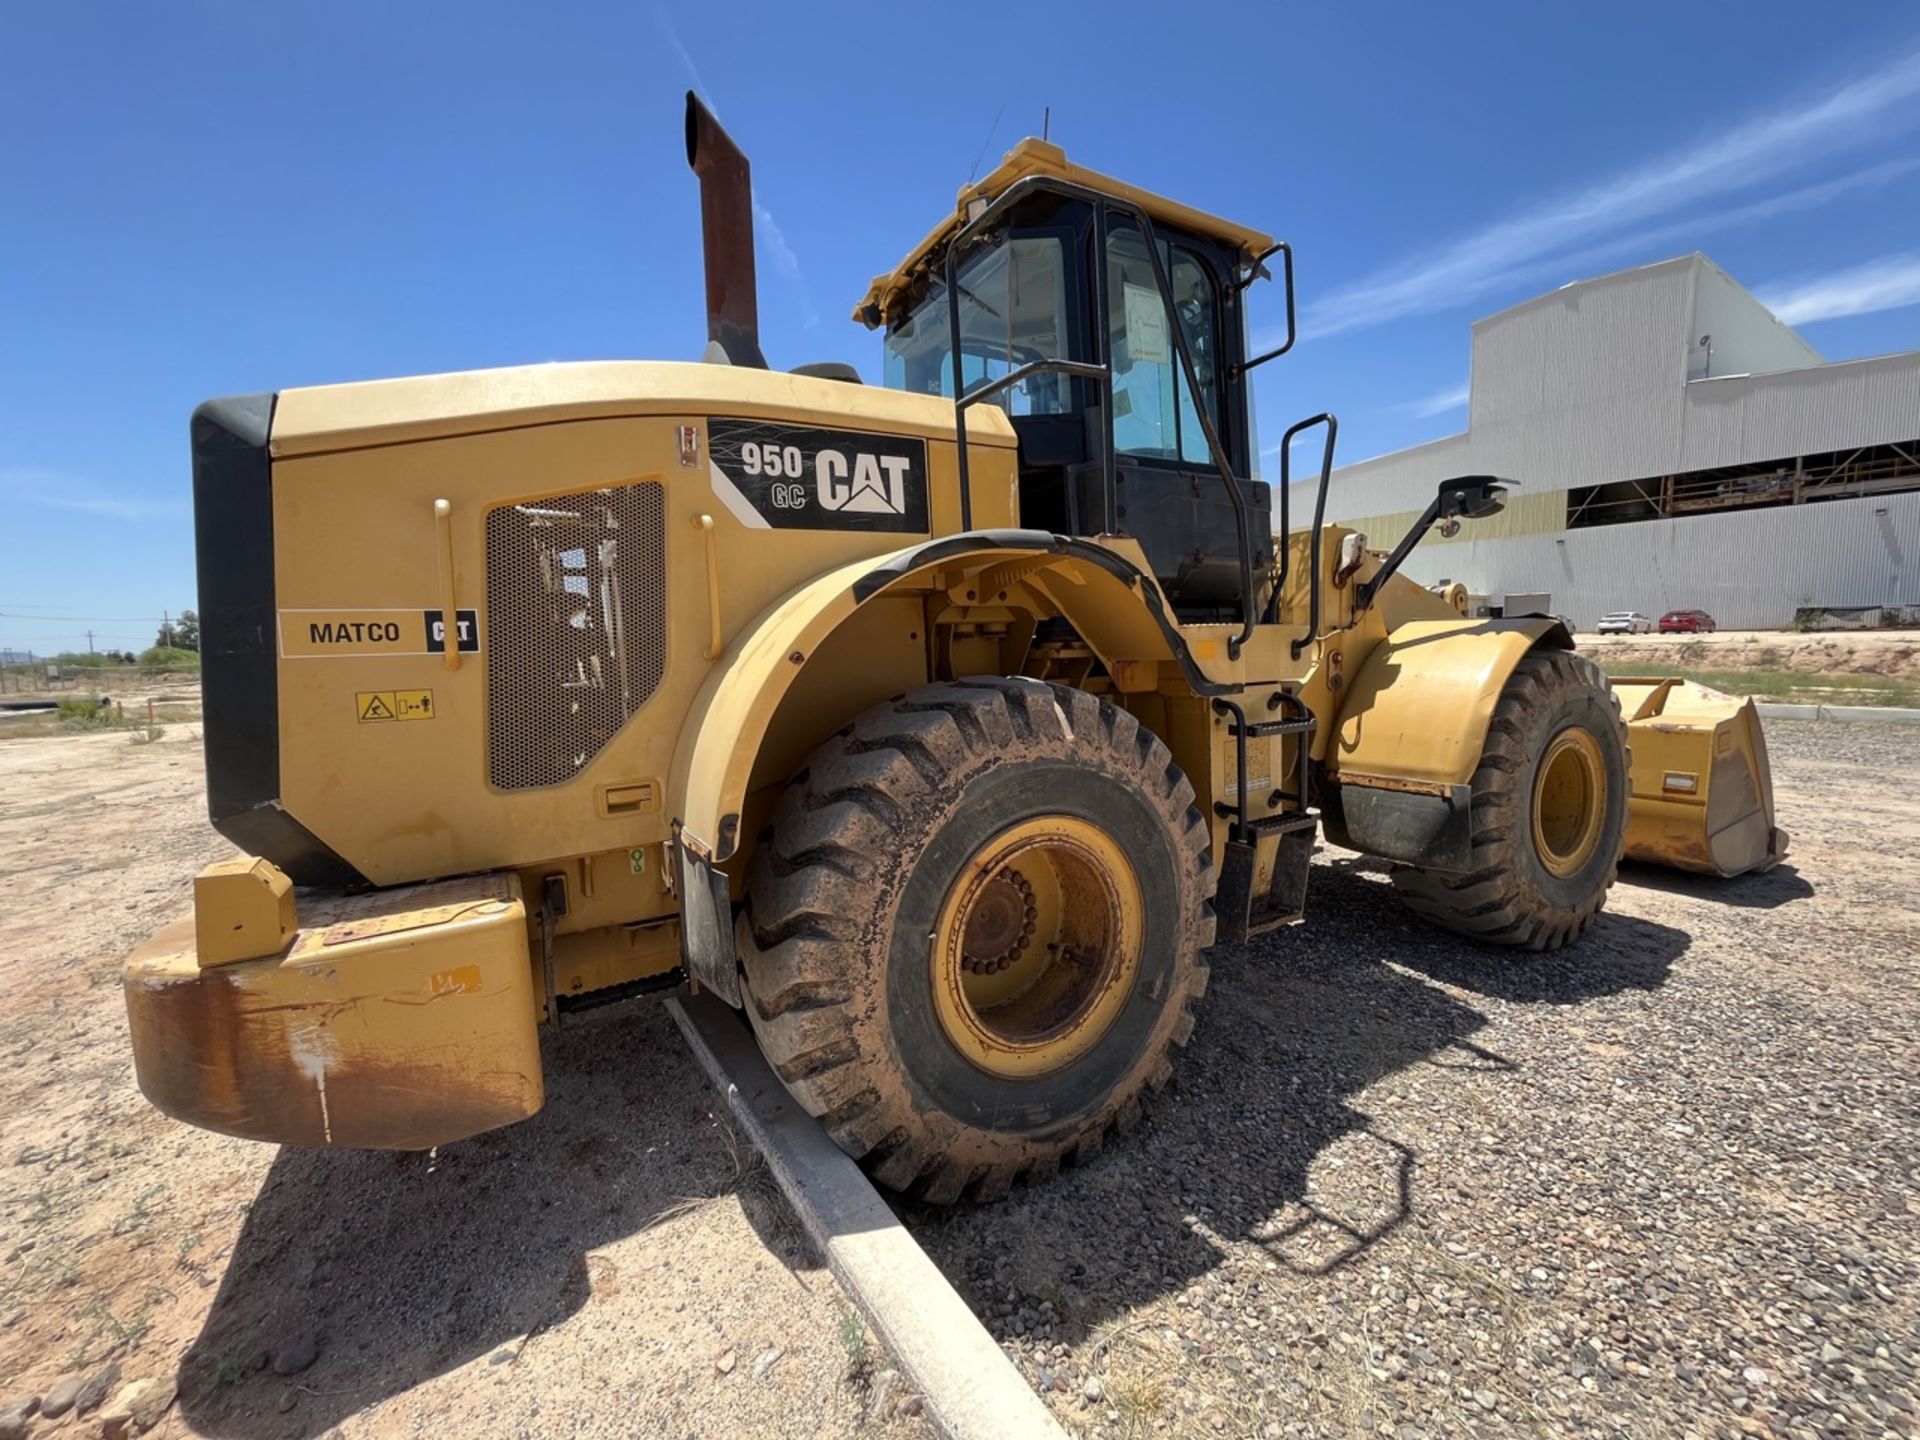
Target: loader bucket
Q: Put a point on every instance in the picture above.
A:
(1702, 791)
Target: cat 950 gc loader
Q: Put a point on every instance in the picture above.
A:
(940, 727)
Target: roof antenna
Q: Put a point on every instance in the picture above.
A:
(986, 142)
(1046, 123)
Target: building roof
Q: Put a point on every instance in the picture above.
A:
(1694, 260)
(1038, 157)
(1663, 369)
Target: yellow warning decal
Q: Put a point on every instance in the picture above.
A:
(413, 704)
(376, 705)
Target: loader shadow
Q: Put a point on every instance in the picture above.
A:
(403, 1268)
(1260, 1137)
(1766, 890)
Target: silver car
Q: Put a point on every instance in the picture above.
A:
(1624, 622)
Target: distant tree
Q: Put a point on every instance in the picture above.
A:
(168, 657)
(186, 633)
(168, 637)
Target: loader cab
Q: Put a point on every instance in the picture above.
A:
(1068, 324)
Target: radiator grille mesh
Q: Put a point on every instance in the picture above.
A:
(576, 627)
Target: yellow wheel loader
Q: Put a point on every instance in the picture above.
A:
(941, 727)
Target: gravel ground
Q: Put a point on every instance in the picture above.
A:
(1666, 1183)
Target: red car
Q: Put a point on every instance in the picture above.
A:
(1682, 622)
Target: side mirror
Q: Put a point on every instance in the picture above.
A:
(1256, 271)
(1471, 497)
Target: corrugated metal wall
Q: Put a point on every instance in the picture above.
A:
(1799, 412)
(1750, 571)
(1742, 336)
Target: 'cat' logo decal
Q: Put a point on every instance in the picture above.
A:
(803, 477)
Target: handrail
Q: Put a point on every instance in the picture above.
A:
(1319, 516)
(1101, 203)
(1241, 524)
(1033, 367)
(1257, 269)
(716, 641)
(449, 599)
(1240, 786)
(1327, 418)
(986, 392)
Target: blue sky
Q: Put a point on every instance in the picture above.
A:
(207, 198)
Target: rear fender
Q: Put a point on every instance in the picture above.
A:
(845, 641)
(1410, 731)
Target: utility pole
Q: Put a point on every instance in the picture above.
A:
(89, 642)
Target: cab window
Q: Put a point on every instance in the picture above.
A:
(1153, 409)
(1013, 303)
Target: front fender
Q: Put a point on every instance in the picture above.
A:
(1418, 707)
(1410, 731)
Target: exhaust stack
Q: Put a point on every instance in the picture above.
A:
(726, 236)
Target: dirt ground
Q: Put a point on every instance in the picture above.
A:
(1666, 1183)
(620, 1265)
(1893, 653)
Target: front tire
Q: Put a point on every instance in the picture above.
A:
(974, 929)
(1549, 812)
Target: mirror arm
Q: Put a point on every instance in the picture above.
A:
(1470, 497)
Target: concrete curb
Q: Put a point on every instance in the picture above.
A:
(1870, 714)
(971, 1389)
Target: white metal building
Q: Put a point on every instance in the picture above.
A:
(1676, 446)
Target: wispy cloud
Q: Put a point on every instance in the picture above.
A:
(768, 235)
(1763, 148)
(47, 490)
(771, 238)
(1441, 401)
(1884, 284)
(1690, 230)
(686, 61)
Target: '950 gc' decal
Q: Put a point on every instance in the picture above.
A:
(801, 477)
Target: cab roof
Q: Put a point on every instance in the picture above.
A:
(1038, 157)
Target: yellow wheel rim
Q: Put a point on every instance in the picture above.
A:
(1569, 802)
(1037, 947)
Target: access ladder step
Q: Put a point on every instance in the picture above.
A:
(1284, 824)
(1268, 824)
(1261, 728)
(1243, 914)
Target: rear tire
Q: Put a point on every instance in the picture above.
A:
(974, 929)
(1549, 812)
